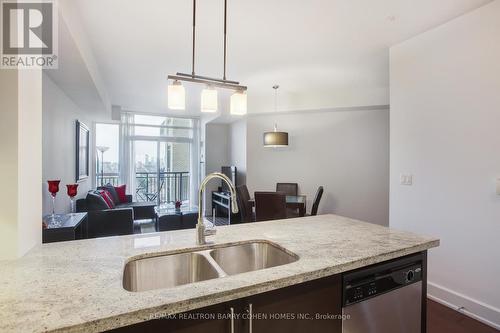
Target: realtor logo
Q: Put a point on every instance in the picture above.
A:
(29, 34)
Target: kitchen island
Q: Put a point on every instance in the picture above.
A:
(78, 286)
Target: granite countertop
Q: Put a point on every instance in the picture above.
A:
(77, 286)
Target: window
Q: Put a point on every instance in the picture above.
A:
(107, 138)
(156, 126)
(161, 153)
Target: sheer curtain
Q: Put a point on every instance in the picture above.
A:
(128, 137)
(127, 166)
(195, 164)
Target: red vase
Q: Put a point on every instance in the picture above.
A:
(53, 189)
(72, 190)
(53, 186)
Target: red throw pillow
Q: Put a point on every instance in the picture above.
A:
(107, 198)
(121, 191)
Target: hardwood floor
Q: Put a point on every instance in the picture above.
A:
(441, 319)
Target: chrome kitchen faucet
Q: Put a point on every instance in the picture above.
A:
(201, 231)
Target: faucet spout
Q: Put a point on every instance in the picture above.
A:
(201, 231)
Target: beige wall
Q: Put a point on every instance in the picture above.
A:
(20, 143)
(9, 163)
(445, 113)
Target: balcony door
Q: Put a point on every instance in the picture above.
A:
(164, 161)
(162, 170)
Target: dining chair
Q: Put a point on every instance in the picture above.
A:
(288, 188)
(317, 199)
(270, 206)
(243, 198)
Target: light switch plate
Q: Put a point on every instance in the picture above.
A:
(406, 179)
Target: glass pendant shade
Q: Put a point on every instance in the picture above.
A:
(239, 103)
(209, 100)
(176, 96)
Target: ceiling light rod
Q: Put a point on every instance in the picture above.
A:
(221, 83)
(207, 78)
(208, 82)
(194, 36)
(225, 38)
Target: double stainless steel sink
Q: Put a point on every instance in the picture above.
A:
(167, 271)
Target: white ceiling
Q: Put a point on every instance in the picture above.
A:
(323, 53)
(73, 76)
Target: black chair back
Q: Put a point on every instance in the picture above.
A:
(270, 206)
(244, 205)
(288, 188)
(317, 199)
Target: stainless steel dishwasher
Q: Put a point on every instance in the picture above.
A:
(384, 298)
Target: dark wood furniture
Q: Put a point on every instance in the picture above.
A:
(288, 188)
(313, 306)
(317, 199)
(293, 309)
(270, 206)
(71, 227)
(244, 205)
(293, 202)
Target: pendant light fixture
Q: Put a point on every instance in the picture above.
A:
(275, 139)
(176, 96)
(209, 95)
(239, 103)
(209, 100)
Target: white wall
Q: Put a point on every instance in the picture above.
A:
(216, 155)
(445, 114)
(238, 149)
(59, 116)
(345, 152)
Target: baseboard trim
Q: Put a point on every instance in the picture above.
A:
(470, 307)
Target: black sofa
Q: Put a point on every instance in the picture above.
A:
(103, 222)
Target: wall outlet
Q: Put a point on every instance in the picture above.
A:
(406, 179)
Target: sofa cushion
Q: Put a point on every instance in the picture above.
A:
(95, 201)
(121, 191)
(108, 198)
(111, 189)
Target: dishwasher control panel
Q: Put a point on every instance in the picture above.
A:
(370, 282)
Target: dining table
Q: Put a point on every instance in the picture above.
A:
(292, 202)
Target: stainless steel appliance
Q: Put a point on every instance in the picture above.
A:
(384, 298)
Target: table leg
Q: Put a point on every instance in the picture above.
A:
(302, 211)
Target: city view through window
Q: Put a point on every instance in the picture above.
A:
(159, 151)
